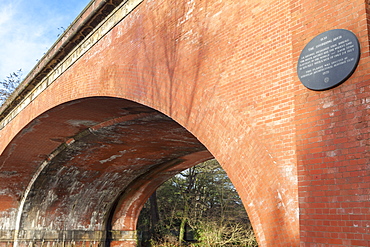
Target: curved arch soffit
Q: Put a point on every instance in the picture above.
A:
(80, 157)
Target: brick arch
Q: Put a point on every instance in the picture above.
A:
(104, 146)
(267, 195)
(226, 72)
(126, 214)
(194, 75)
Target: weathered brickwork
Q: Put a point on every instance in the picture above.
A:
(159, 86)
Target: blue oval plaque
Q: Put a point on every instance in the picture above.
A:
(328, 59)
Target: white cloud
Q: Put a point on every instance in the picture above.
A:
(20, 46)
(6, 13)
(28, 28)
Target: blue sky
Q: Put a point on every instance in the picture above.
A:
(28, 28)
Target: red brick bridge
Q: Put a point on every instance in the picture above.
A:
(138, 90)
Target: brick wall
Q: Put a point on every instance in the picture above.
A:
(332, 135)
(226, 72)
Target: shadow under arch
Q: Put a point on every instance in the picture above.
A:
(83, 157)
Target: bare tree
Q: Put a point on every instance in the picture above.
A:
(198, 207)
(8, 85)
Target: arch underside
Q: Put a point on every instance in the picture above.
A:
(104, 149)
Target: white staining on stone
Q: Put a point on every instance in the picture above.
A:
(113, 157)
